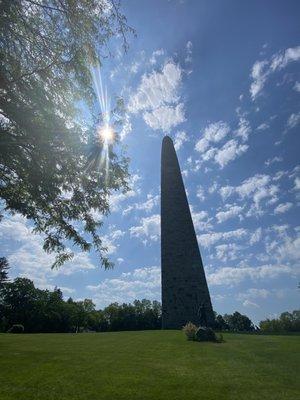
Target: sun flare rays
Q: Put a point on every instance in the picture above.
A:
(105, 134)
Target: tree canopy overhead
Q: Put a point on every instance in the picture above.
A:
(47, 50)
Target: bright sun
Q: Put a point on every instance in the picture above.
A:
(106, 134)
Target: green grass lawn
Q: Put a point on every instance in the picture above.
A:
(148, 365)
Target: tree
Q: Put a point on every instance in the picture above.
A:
(47, 50)
(3, 270)
(287, 322)
(238, 322)
(21, 303)
(220, 323)
(19, 300)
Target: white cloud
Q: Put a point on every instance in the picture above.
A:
(254, 293)
(263, 126)
(297, 86)
(228, 251)
(244, 128)
(290, 249)
(257, 187)
(126, 127)
(248, 303)
(231, 150)
(138, 284)
(208, 239)
(273, 160)
(158, 97)
(109, 240)
(217, 131)
(231, 212)
(165, 117)
(31, 261)
(261, 70)
(283, 207)
(234, 276)
(156, 89)
(155, 55)
(297, 184)
(147, 205)
(189, 52)
(149, 228)
(201, 220)
(256, 236)
(116, 199)
(180, 138)
(259, 76)
(283, 58)
(293, 120)
(200, 193)
(213, 133)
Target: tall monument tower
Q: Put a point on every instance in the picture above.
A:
(185, 295)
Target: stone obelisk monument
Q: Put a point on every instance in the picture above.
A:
(185, 295)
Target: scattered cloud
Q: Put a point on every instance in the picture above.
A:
(110, 240)
(261, 70)
(231, 150)
(297, 86)
(231, 212)
(209, 239)
(189, 52)
(165, 117)
(257, 188)
(293, 121)
(138, 284)
(233, 276)
(147, 205)
(155, 55)
(180, 138)
(158, 98)
(213, 133)
(256, 236)
(273, 160)
(248, 303)
(263, 126)
(126, 127)
(29, 259)
(117, 199)
(149, 229)
(283, 207)
(201, 220)
(244, 128)
(200, 193)
(253, 294)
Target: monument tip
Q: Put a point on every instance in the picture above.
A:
(167, 139)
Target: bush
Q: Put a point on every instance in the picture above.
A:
(17, 328)
(190, 330)
(204, 334)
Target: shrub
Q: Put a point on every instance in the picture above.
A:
(190, 330)
(204, 334)
(17, 328)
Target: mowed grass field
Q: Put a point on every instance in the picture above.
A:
(148, 365)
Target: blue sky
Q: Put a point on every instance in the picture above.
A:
(223, 80)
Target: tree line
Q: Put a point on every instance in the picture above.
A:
(38, 310)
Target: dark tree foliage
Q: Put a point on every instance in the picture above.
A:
(220, 323)
(47, 48)
(4, 267)
(237, 322)
(46, 311)
(287, 322)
